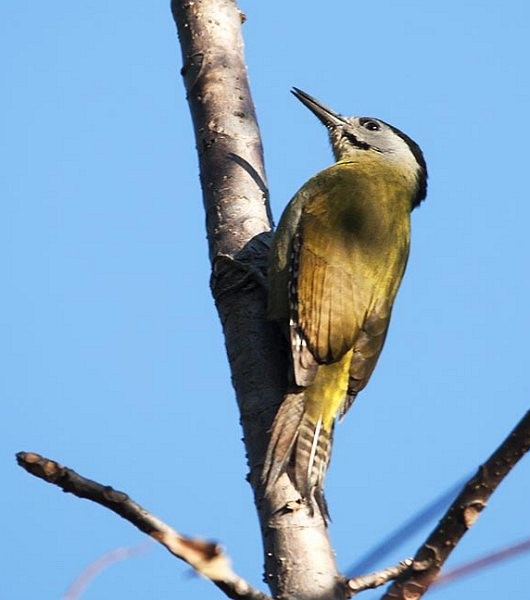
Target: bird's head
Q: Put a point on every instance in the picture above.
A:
(350, 136)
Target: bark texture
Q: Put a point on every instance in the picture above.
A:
(299, 561)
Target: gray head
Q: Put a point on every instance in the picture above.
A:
(351, 135)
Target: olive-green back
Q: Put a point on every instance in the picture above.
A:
(337, 261)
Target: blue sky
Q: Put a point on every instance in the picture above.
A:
(113, 361)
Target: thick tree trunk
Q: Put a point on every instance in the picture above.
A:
(299, 561)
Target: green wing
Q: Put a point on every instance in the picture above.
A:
(336, 265)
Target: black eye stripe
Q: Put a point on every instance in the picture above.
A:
(355, 142)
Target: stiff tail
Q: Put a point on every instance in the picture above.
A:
(302, 448)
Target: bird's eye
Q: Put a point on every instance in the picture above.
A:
(370, 125)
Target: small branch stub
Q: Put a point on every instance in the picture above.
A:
(374, 580)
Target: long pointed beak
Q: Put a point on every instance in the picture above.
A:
(329, 117)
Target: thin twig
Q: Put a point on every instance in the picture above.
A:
(461, 515)
(207, 558)
(374, 580)
(487, 560)
(80, 584)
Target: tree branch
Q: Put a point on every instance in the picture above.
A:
(461, 515)
(299, 560)
(207, 558)
(377, 579)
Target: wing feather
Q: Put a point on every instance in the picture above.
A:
(338, 261)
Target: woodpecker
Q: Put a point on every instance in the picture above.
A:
(335, 266)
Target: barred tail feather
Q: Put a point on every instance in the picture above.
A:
(283, 438)
(301, 448)
(311, 459)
